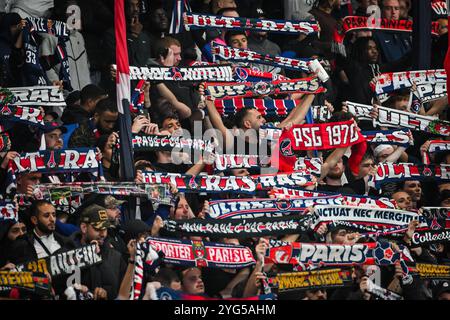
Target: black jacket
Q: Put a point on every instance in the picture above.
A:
(22, 249)
(108, 274)
(74, 114)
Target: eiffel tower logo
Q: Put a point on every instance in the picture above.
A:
(435, 225)
(51, 163)
(192, 183)
(6, 110)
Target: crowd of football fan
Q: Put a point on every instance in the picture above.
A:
(90, 119)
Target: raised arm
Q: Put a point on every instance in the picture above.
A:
(298, 114)
(217, 123)
(331, 161)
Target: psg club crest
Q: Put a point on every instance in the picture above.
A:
(51, 159)
(283, 204)
(427, 172)
(175, 73)
(286, 148)
(241, 73)
(193, 184)
(262, 88)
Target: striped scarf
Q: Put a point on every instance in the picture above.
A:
(266, 107)
(239, 228)
(431, 84)
(179, 7)
(354, 23)
(395, 172)
(255, 208)
(309, 85)
(307, 255)
(33, 96)
(201, 21)
(189, 253)
(225, 53)
(396, 118)
(365, 216)
(233, 184)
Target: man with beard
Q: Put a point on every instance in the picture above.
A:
(333, 180)
(414, 189)
(103, 279)
(42, 241)
(115, 230)
(103, 122)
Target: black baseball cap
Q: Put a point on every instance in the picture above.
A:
(96, 216)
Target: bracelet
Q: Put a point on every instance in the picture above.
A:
(131, 261)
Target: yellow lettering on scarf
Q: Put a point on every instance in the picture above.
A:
(431, 270)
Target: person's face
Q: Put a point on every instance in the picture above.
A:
(90, 233)
(391, 10)
(107, 153)
(445, 203)
(106, 121)
(182, 210)
(254, 120)
(414, 189)
(339, 237)
(171, 125)
(318, 294)
(443, 186)
(403, 200)
(401, 105)
(113, 215)
(27, 180)
(134, 7)
(365, 166)
(372, 51)
(405, 5)
(18, 229)
(192, 282)
(54, 139)
(45, 219)
(444, 296)
(240, 172)
(443, 26)
(159, 19)
(176, 53)
(239, 41)
(386, 152)
(337, 171)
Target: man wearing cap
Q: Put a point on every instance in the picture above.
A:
(53, 134)
(107, 275)
(114, 230)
